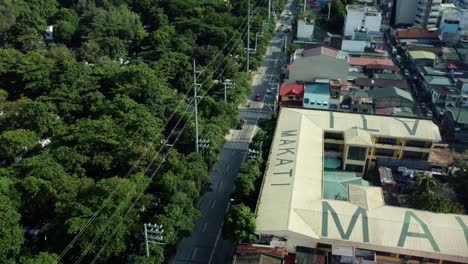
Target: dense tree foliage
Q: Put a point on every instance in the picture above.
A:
(429, 196)
(240, 222)
(84, 119)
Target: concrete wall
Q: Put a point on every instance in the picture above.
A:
(309, 68)
(405, 11)
(354, 45)
(393, 101)
(305, 30)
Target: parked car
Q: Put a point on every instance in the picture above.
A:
(429, 114)
(287, 30)
(257, 98)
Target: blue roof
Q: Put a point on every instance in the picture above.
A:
(316, 96)
(318, 88)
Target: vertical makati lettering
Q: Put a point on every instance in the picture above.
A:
(286, 157)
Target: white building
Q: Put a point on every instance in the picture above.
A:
(305, 29)
(427, 12)
(361, 18)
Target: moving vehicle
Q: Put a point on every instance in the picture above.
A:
(257, 98)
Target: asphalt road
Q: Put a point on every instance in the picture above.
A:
(206, 244)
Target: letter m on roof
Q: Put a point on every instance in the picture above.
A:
(360, 212)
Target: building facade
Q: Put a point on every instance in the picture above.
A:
(319, 62)
(405, 11)
(427, 12)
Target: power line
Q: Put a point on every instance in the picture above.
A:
(151, 177)
(153, 162)
(70, 245)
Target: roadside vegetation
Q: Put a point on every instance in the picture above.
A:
(89, 112)
(240, 219)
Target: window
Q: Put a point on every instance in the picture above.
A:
(291, 97)
(333, 135)
(384, 152)
(388, 141)
(357, 153)
(332, 147)
(416, 143)
(412, 155)
(354, 168)
(306, 100)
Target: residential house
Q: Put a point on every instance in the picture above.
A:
(370, 83)
(462, 86)
(421, 58)
(391, 97)
(448, 55)
(357, 101)
(455, 121)
(317, 96)
(444, 95)
(426, 70)
(258, 254)
(317, 62)
(415, 33)
(291, 95)
(373, 65)
(429, 81)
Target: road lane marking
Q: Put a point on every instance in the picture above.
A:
(204, 227)
(213, 204)
(194, 253)
(220, 185)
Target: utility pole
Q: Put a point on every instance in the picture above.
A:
(269, 9)
(153, 234)
(227, 84)
(329, 10)
(195, 100)
(248, 38)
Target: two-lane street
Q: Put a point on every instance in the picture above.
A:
(206, 244)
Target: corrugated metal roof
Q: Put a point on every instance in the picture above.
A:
(422, 55)
(389, 92)
(291, 203)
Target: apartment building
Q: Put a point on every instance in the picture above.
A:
(427, 12)
(361, 18)
(423, 13)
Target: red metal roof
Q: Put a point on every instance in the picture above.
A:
(258, 249)
(363, 61)
(415, 33)
(289, 89)
(456, 65)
